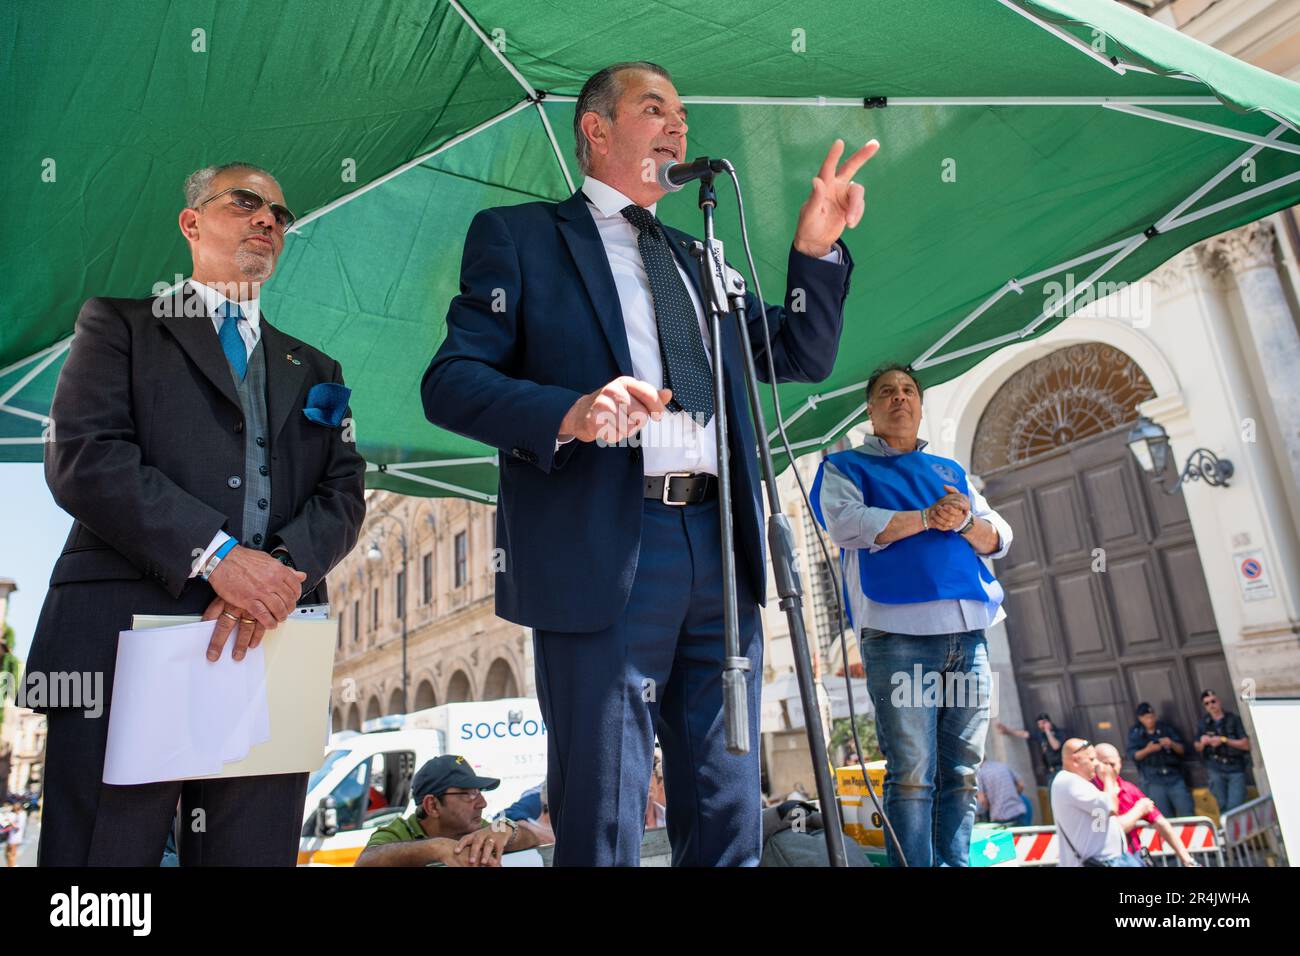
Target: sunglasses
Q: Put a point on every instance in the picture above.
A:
(1209, 701)
(250, 202)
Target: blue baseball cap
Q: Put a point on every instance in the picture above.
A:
(450, 770)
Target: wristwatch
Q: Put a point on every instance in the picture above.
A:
(281, 554)
(970, 523)
(514, 830)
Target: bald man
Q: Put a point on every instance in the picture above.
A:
(1130, 801)
(1091, 834)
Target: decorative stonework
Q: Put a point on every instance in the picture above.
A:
(1250, 247)
(1073, 393)
(1177, 271)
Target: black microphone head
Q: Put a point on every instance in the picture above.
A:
(666, 184)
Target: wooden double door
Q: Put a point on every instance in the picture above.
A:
(1105, 597)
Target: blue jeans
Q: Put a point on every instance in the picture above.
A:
(931, 697)
(1228, 786)
(1169, 793)
(1127, 859)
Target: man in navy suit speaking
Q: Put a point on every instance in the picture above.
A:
(578, 347)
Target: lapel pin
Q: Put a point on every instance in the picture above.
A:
(292, 359)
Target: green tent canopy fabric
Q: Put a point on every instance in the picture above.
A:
(1034, 153)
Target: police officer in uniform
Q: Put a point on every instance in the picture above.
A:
(1222, 741)
(1157, 749)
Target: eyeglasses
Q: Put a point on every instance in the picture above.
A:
(472, 794)
(1209, 701)
(250, 202)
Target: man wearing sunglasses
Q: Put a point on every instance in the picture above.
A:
(200, 451)
(447, 826)
(1221, 739)
(1091, 834)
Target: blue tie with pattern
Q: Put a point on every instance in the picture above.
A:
(686, 363)
(231, 342)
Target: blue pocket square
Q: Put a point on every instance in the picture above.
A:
(326, 403)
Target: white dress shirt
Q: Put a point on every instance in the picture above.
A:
(251, 333)
(674, 443)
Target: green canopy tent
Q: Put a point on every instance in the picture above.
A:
(1034, 153)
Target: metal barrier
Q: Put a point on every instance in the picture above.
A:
(1252, 836)
(1197, 834)
(1038, 846)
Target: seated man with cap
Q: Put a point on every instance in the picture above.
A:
(447, 826)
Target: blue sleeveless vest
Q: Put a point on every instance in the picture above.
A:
(930, 566)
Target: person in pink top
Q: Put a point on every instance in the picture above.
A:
(1132, 805)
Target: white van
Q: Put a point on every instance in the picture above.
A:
(365, 779)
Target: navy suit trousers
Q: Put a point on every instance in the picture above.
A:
(657, 669)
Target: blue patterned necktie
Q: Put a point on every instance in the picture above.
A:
(686, 364)
(231, 342)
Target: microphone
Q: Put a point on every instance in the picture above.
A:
(673, 175)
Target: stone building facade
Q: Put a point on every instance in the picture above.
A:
(457, 649)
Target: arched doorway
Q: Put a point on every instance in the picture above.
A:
(373, 710)
(395, 701)
(424, 696)
(458, 690)
(500, 681)
(1105, 595)
(354, 718)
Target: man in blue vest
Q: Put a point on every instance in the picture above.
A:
(913, 532)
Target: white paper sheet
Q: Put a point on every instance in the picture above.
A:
(174, 713)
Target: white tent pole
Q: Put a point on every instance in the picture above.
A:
(445, 486)
(528, 88)
(410, 164)
(510, 67)
(855, 102)
(811, 402)
(1163, 223)
(1058, 32)
(1131, 247)
(1202, 127)
(24, 413)
(845, 422)
(1135, 68)
(446, 463)
(1220, 206)
(60, 346)
(1010, 286)
(51, 353)
(559, 156)
(1169, 221)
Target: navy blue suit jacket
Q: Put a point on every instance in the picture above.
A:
(536, 326)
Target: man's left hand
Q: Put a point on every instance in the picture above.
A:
(835, 202)
(248, 635)
(484, 846)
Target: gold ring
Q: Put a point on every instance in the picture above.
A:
(229, 615)
(247, 620)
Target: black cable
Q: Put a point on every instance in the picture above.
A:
(831, 565)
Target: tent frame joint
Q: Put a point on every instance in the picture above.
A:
(875, 102)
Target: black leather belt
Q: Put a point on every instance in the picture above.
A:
(681, 488)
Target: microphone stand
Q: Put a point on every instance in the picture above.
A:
(724, 292)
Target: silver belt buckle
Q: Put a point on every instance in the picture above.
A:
(668, 479)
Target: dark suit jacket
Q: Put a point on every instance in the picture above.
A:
(537, 325)
(147, 431)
